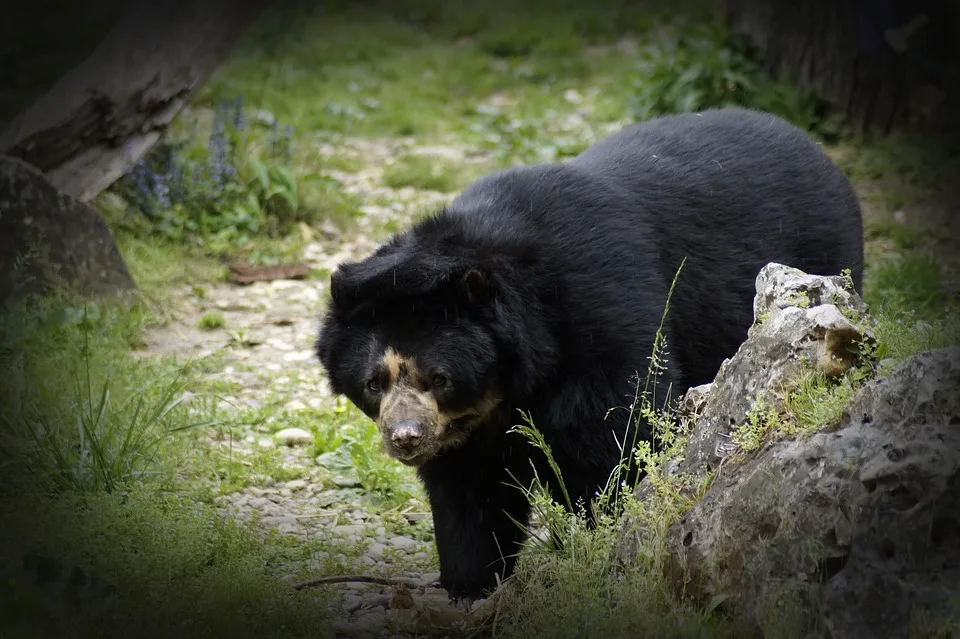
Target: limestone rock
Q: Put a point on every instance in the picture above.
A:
(850, 532)
(799, 323)
(50, 240)
(868, 510)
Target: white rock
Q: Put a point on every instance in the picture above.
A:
(294, 437)
(294, 404)
(404, 543)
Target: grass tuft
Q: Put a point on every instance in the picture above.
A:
(422, 172)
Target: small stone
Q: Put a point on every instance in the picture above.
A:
(298, 356)
(374, 600)
(403, 543)
(415, 517)
(297, 484)
(294, 437)
(429, 578)
(259, 502)
(375, 551)
(266, 443)
(352, 603)
(348, 529)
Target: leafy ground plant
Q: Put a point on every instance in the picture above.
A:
(689, 68)
(226, 192)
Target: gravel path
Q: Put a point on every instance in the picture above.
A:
(264, 354)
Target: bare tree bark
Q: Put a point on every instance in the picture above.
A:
(882, 64)
(99, 118)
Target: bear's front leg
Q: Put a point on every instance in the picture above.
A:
(478, 518)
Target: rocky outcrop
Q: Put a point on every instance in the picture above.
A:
(49, 240)
(851, 531)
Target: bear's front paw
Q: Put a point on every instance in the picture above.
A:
(462, 602)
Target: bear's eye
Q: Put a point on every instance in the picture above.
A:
(373, 386)
(438, 380)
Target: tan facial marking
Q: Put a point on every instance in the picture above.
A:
(394, 363)
(407, 397)
(404, 398)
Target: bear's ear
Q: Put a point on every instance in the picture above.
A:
(352, 281)
(390, 277)
(476, 286)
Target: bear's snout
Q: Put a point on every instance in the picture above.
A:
(405, 433)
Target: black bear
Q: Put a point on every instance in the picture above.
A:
(541, 289)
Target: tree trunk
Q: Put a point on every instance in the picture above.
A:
(882, 64)
(104, 114)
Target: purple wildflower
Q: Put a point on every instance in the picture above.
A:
(217, 150)
(140, 175)
(161, 191)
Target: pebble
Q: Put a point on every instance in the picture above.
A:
(352, 603)
(294, 437)
(404, 543)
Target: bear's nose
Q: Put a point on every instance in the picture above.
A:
(405, 433)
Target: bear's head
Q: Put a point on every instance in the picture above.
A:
(413, 336)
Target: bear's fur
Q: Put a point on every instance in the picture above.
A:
(541, 289)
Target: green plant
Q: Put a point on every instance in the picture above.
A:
(908, 284)
(817, 402)
(691, 68)
(326, 439)
(513, 140)
(222, 194)
(422, 173)
(762, 419)
(86, 416)
(211, 321)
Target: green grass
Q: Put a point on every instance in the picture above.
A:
(105, 470)
(177, 567)
(908, 283)
(423, 173)
(83, 414)
(212, 321)
(519, 82)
